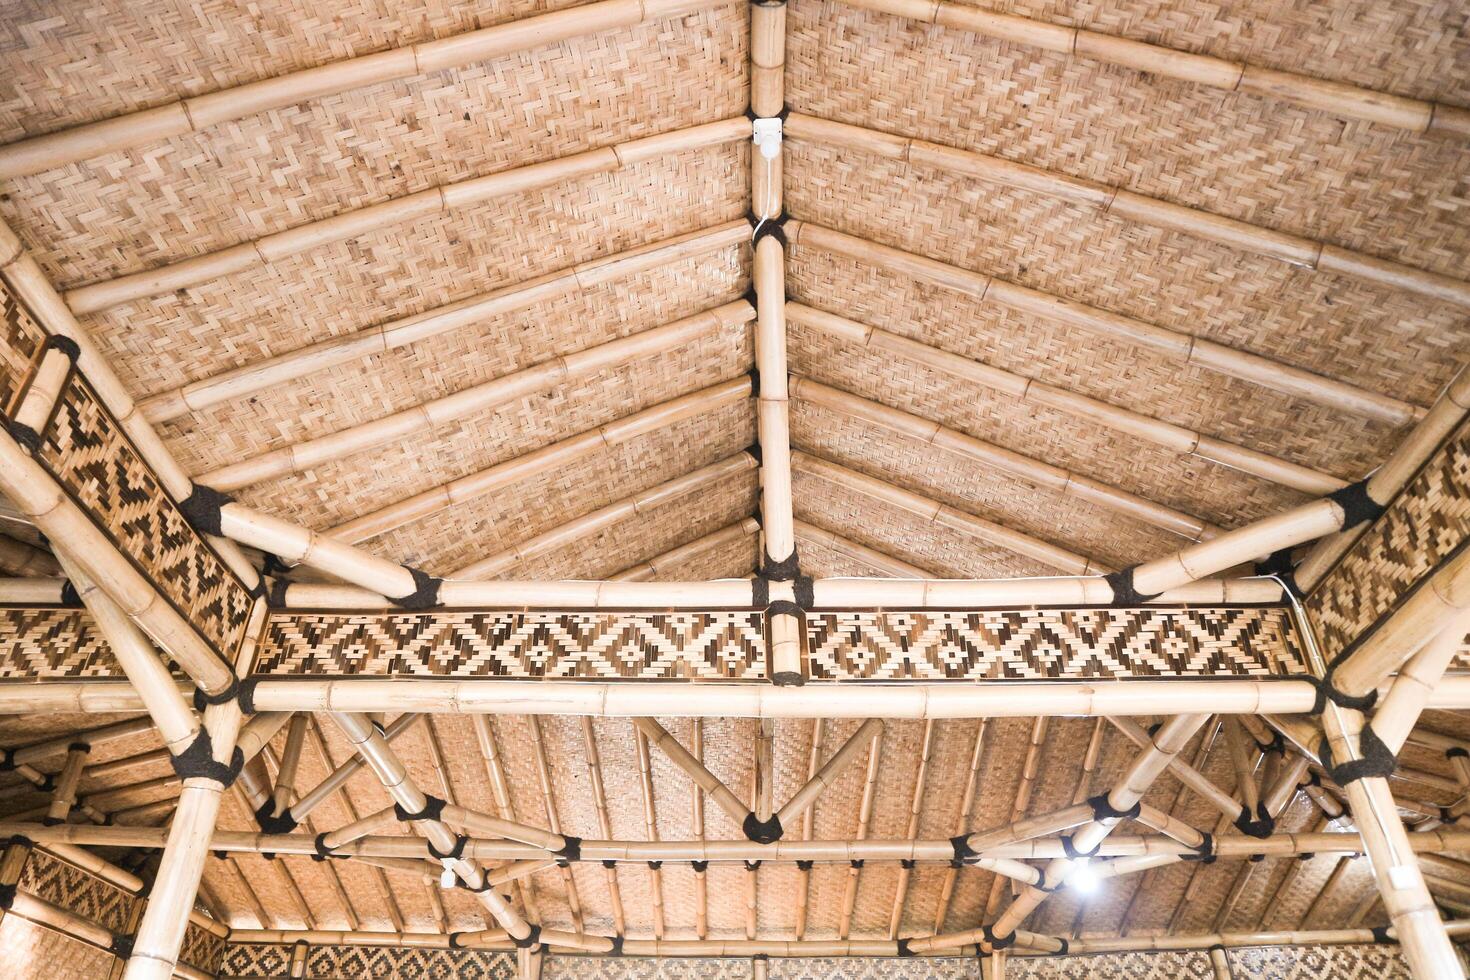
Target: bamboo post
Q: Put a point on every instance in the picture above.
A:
(1174, 438)
(604, 820)
(324, 756)
(1296, 250)
(1183, 347)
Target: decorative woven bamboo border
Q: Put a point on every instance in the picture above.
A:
(84, 448)
(76, 890)
(1420, 528)
(273, 960)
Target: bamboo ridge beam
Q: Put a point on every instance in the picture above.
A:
(1175, 438)
(1054, 478)
(1296, 250)
(884, 562)
(651, 569)
(347, 225)
(434, 414)
(200, 112)
(1335, 98)
(1183, 347)
(292, 365)
(605, 517)
(935, 512)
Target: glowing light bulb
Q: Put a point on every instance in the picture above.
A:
(1083, 878)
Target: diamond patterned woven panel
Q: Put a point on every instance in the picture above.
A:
(1114, 966)
(261, 960)
(728, 645)
(202, 949)
(1428, 521)
(20, 341)
(1319, 963)
(51, 643)
(1039, 644)
(93, 899)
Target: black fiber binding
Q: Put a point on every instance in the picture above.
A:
(908, 864)
(760, 592)
(1066, 947)
(1256, 858)
(273, 566)
(752, 865)
(425, 594)
(1305, 856)
(769, 226)
(805, 591)
(66, 345)
(69, 595)
(784, 570)
(275, 597)
(571, 850)
(655, 865)
(1457, 753)
(1278, 565)
(322, 850)
(433, 810)
(610, 863)
(785, 606)
(805, 865)
(7, 896)
(1357, 506)
(79, 747)
(47, 783)
(1327, 692)
(962, 849)
(699, 866)
(855, 863)
(1381, 936)
(1102, 809)
(998, 942)
(197, 762)
(454, 940)
(1204, 852)
(246, 695)
(1124, 594)
(453, 854)
(7, 760)
(1263, 825)
(269, 823)
(1277, 745)
(202, 508)
(202, 700)
(1072, 852)
(617, 946)
(29, 438)
(530, 941)
(762, 831)
(121, 947)
(1377, 760)
(1219, 946)
(1040, 883)
(903, 948)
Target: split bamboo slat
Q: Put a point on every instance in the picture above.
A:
(1297, 250)
(435, 200)
(199, 112)
(938, 513)
(293, 365)
(654, 567)
(428, 416)
(1336, 98)
(1172, 437)
(1032, 470)
(1186, 348)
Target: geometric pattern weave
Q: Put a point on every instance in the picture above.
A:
(52, 643)
(202, 949)
(20, 341)
(1050, 643)
(1423, 525)
(260, 960)
(79, 891)
(706, 645)
(1320, 963)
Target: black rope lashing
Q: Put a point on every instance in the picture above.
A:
(655, 865)
(1326, 692)
(7, 896)
(1306, 856)
(856, 864)
(433, 810)
(1377, 759)
(1357, 506)
(65, 345)
(1204, 851)
(1124, 594)
(1071, 851)
(454, 940)
(453, 854)
(760, 592)
(1040, 883)
(1219, 946)
(805, 865)
(908, 864)
(1066, 946)
(1279, 565)
(425, 594)
(1103, 809)
(269, 823)
(752, 865)
(761, 227)
(783, 606)
(1457, 752)
(783, 570)
(274, 566)
(1276, 745)
(904, 950)
(323, 852)
(202, 509)
(1260, 825)
(7, 760)
(275, 596)
(571, 850)
(1381, 936)
(121, 947)
(766, 831)
(699, 866)
(998, 942)
(805, 591)
(532, 939)
(609, 863)
(197, 762)
(230, 693)
(617, 946)
(29, 438)
(1256, 858)
(70, 597)
(246, 695)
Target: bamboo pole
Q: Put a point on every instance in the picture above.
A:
(1187, 774)
(905, 872)
(1337, 98)
(803, 894)
(1174, 438)
(1056, 479)
(1183, 347)
(285, 788)
(282, 368)
(553, 821)
(1022, 799)
(64, 797)
(802, 800)
(883, 562)
(1296, 250)
(684, 760)
(338, 775)
(650, 828)
(651, 569)
(1386, 482)
(19, 558)
(604, 821)
(864, 821)
(598, 520)
(696, 819)
(200, 112)
(443, 199)
(25, 755)
(942, 514)
(324, 756)
(434, 414)
(504, 804)
(961, 823)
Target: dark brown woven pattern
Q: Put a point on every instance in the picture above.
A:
(93, 899)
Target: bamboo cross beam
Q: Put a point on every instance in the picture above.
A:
(1340, 99)
(873, 558)
(1183, 347)
(935, 512)
(338, 775)
(1296, 250)
(438, 200)
(201, 112)
(1175, 438)
(652, 569)
(1187, 774)
(707, 781)
(428, 416)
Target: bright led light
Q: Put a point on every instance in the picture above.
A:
(1083, 879)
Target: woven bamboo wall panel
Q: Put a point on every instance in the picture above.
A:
(1038, 644)
(1320, 963)
(1420, 528)
(32, 952)
(51, 644)
(261, 960)
(202, 949)
(73, 889)
(727, 645)
(20, 340)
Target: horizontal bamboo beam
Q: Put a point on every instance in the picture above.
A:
(292, 365)
(200, 112)
(1335, 98)
(882, 561)
(1179, 346)
(444, 199)
(557, 454)
(604, 517)
(1034, 471)
(427, 416)
(647, 571)
(19, 558)
(1175, 438)
(935, 512)
(1241, 940)
(1297, 250)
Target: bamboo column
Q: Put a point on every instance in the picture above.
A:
(1183, 347)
